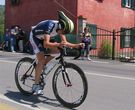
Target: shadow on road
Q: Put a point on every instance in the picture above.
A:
(33, 100)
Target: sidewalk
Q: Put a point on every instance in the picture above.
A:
(5, 53)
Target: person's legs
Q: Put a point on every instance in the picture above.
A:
(20, 45)
(38, 49)
(88, 51)
(38, 70)
(40, 63)
(82, 53)
(39, 66)
(12, 45)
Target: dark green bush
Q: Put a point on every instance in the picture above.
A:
(105, 50)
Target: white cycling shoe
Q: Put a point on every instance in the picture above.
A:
(36, 89)
(89, 58)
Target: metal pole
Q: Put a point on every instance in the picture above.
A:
(113, 45)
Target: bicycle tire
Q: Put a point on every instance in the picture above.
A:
(24, 62)
(78, 101)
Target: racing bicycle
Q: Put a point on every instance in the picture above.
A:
(69, 82)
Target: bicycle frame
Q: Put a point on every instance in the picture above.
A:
(61, 61)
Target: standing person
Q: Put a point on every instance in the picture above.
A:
(20, 40)
(87, 40)
(12, 39)
(40, 38)
(7, 40)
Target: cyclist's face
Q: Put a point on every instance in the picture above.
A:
(60, 31)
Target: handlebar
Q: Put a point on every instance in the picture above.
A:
(62, 52)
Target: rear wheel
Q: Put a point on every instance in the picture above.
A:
(25, 75)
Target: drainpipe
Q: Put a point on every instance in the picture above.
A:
(134, 18)
(113, 45)
(76, 18)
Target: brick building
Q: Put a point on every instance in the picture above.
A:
(107, 14)
(104, 13)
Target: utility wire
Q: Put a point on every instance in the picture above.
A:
(64, 8)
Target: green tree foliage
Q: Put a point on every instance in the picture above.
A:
(105, 50)
(2, 14)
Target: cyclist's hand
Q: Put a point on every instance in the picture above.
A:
(63, 44)
(81, 45)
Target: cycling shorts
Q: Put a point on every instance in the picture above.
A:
(37, 44)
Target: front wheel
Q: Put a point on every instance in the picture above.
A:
(70, 85)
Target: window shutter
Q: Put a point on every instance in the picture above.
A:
(123, 3)
(132, 41)
(133, 4)
(122, 38)
(15, 2)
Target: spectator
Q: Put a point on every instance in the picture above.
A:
(87, 40)
(12, 39)
(7, 40)
(20, 40)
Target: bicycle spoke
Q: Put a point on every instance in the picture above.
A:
(74, 92)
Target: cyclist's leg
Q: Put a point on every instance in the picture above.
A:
(39, 51)
(38, 70)
(88, 52)
(48, 58)
(51, 55)
(40, 64)
(39, 67)
(37, 89)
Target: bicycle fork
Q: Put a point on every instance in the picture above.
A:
(66, 78)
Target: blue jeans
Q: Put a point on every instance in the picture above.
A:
(85, 50)
(12, 46)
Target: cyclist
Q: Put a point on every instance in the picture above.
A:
(40, 38)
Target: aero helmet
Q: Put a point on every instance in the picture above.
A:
(65, 23)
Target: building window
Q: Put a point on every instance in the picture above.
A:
(128, 3)
(127, 38)
(15, 2)
(81, 24)
(99, 0)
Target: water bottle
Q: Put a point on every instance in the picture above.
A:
(48, 68)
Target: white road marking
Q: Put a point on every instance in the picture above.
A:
(25, 105)
(130, 64)
(111, 76)
(5, 61)
(98, 61)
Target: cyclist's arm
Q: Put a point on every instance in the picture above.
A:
(68, 44)
(48, 44)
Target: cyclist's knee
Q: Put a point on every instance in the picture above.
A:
(41, 61)
(40, 58)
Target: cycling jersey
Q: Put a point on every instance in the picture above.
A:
(38, 32)
(45, 27)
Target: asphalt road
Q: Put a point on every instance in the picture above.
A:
(111, 87)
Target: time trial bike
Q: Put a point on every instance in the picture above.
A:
(68, 79)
